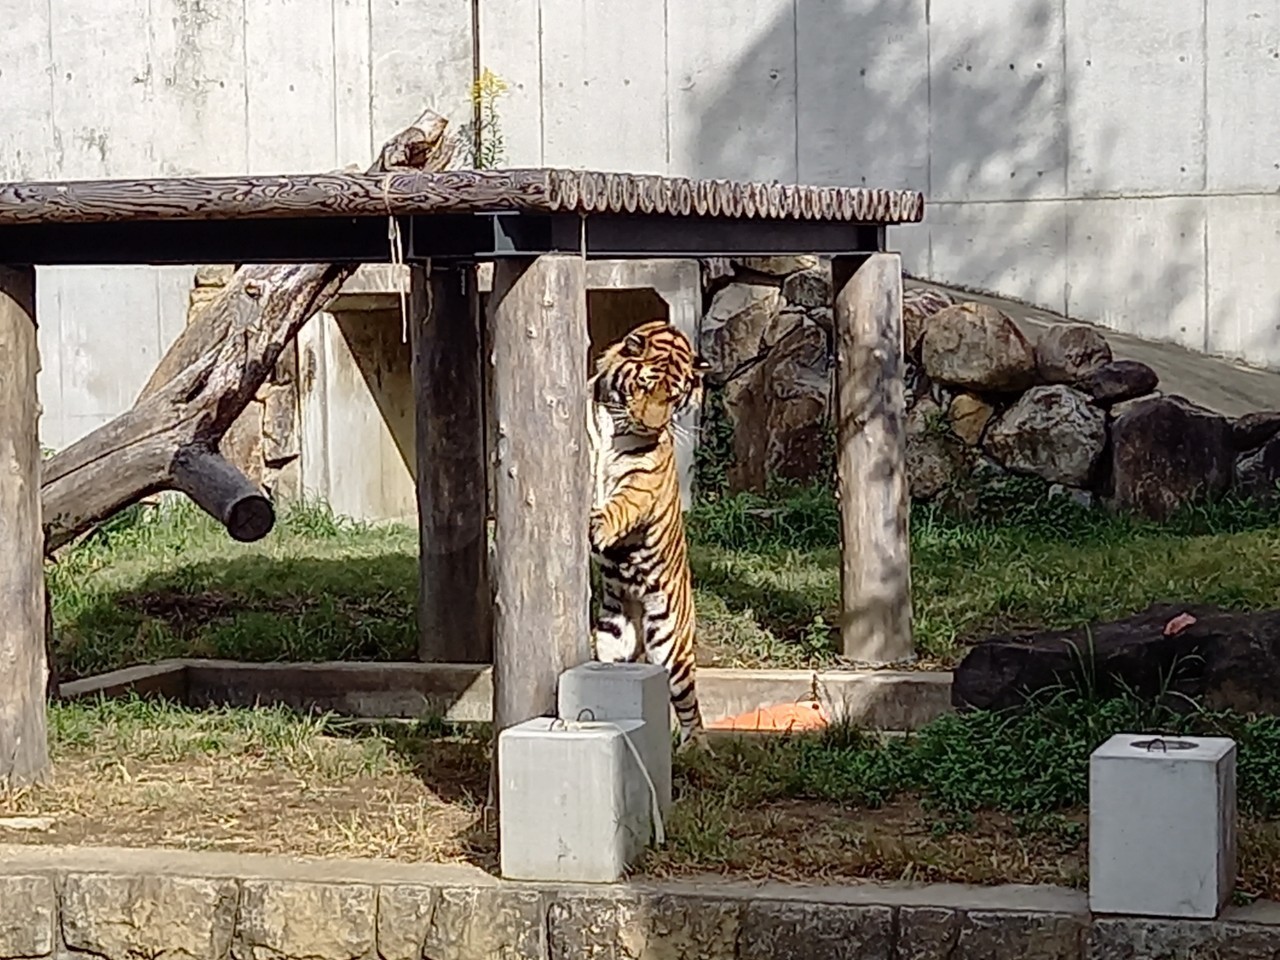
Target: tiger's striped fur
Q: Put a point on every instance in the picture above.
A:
(642, 383)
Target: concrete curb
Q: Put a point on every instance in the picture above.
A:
(110, 902)
(877, 699)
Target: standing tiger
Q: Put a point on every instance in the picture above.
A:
(642, 383)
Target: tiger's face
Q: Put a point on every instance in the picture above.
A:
(648, 378)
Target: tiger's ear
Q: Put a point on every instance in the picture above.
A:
(633, 345)
(701, 364)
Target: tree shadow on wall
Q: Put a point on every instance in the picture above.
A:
(964, 102)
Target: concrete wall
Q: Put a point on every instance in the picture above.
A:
(1118, 161)
(169, 87)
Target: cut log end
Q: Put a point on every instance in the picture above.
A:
(223, 492)
(250, 519)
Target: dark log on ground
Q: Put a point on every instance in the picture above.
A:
(1227, 659)
(169, 438)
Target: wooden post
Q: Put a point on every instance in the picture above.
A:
(455, 621)
(542, 489)
(875, 564)
(24, 747)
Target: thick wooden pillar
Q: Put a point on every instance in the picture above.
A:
(455, 622)
(542, 491)
(24, 748)
(875, 564)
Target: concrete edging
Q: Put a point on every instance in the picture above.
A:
(877, 699)
(118, 903)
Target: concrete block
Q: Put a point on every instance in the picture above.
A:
(1162, 826)
(626, 691)
(1137, 266)
(575, 805)
(1136, 76)
(1244, 313)
(997, 102)
(1014, 249)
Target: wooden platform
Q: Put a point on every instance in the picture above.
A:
(456, 215)
(527, 613)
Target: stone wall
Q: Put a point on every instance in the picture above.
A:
(983, 401)
(169, 905)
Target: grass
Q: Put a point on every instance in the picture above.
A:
(1020, 560)
(975, 798)
(978, 798)
(165, 581)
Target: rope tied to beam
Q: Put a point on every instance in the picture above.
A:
(396, 245)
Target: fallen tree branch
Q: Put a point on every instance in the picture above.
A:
(169, 439)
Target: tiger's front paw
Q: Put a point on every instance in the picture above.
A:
(595, 532)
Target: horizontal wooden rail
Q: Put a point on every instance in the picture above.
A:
(410, 193)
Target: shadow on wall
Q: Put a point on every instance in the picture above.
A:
(969, 104)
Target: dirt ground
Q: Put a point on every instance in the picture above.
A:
(236, 783)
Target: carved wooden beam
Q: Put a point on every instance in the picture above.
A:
(414, 192)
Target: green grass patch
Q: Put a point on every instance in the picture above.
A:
(1021, 560)
(164, 581)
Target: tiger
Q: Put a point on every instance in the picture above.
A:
(643, 382)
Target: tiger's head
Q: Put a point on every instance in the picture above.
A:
(648, 378)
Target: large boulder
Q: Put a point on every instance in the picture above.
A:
(1066, 352)
(977, 347)
(1118, 381)
(969, 415)
(778, 266)
(736, 322)
(1257, 472)
(1230, 659)
(936, 460)
(919, 306)
(809, 288)
(779, 411)
(1051, 432)
(1254, 429)
(1167, 452)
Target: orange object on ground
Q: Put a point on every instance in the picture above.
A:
(804, 715)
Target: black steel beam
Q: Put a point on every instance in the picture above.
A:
(459, 238)
(313, 240)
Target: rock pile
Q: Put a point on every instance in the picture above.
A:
(982, 399)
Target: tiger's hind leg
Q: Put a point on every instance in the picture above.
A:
(616, 638)
(670, 646)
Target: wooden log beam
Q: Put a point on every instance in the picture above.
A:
(542, 496)
(223, 492)
(405, 193)
(875, 564)
(209, 375)
(24, 749)
(455, 622)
